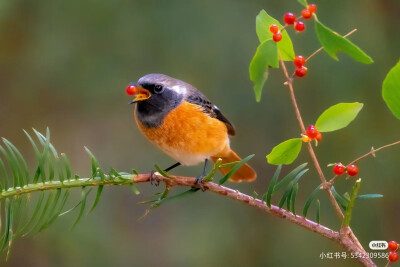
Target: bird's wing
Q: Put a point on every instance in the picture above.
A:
(195, 97)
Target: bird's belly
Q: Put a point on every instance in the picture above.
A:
(189, 135)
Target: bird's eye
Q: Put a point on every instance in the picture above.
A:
(158, 89)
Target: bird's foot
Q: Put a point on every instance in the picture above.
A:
(200, 183)
(154, 179)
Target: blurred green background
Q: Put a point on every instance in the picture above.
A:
(65, 64)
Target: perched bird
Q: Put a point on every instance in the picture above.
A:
(184, 124)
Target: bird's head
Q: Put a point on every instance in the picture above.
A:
(157, 90)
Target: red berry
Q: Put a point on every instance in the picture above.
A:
(352, 170)
(312, 8)
(393, 246)
(289, 18)
(299, 26)
(299, 61)
(312, 131)
(393, 256)
(338, 169)
(274, 28)
(301, 71)
(131, 89)
(306, 14)
(319, 137)
(277, 36)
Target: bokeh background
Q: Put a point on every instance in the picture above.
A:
(65, 64)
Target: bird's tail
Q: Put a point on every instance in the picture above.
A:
(244, 174)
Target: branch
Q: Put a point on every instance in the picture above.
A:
(346, 236)
(289, 83)
(371, 152)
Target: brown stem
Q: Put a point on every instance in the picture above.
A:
(325, 186)
(344, 239)
(346, 236)
(372, 152)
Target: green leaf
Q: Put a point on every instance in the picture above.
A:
(289, 177)
(286, 152)
(134, 189)
(160, 171)
(57, 214)
(3, 172)
(24, 172)
(289, 191)
(391, 90)
(333, 42)
(229, 164)
(266, 56)
(67, 166)
(83, 204)
(28, 226)
(343, 202)
(349, 210)
(303, 2)
(94, 163)
(369, 196)
(234, 169)
(284, 197)
(318, 211)
(98, 195)
(285, 46)
(338, 116)
(12, 162)
(272, 185)
(293, 198)
(310, 199)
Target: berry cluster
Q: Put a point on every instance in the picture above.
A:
(290, 19)
(393, 255)
(301, 70)
(339, 168)
(312, 133)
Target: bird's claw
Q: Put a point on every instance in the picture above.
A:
(154, 179)
(200, 183)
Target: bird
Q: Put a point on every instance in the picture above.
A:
(184, 124)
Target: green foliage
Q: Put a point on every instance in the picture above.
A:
(234, 169)
(25, 215)
(367, 196)
(342, 201)
(317, 217)
(271, 186)
(310, 199)
(286, 152)
(338, 116)
(353, 196)
(333, 42)
(160, 171)
(290, 181)
(266, 56)
(267, 52)
(391, 90)
(285, 46)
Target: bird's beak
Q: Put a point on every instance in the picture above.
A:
(142, 94)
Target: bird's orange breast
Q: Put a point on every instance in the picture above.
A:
(189, 135)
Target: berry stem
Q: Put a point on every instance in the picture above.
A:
(319, 49)
(371, 152)
(289, 83)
